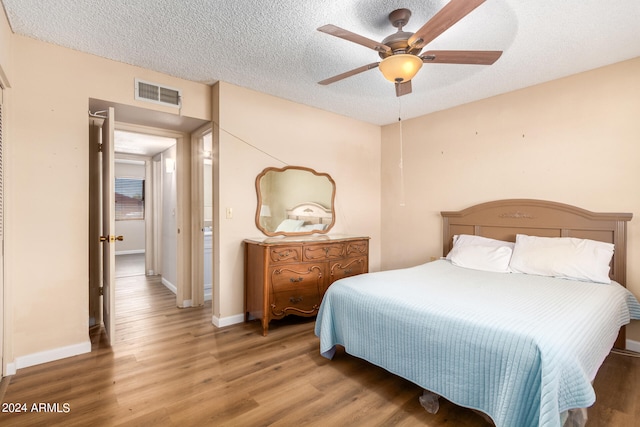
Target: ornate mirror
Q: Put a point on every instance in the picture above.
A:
(294, 200)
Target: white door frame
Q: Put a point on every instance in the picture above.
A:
(197, 215)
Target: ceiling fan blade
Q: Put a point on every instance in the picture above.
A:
(451, 13)
(353, 37)
(479, 57)
(349, 73)
(403, 88)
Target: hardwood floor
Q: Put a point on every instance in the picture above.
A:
(171, 366)
(130, 265)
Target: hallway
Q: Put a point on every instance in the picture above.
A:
(130, 265)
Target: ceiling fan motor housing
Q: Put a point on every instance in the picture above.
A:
(398, 42)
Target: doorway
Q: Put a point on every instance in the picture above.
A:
(207, 209)
(202, 232)
(141, 195)
(174, 161)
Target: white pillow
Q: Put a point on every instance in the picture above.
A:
(481, 257)
(468, 239)
(313, 227)
(290, 225)
(480, 253)
(563, 257)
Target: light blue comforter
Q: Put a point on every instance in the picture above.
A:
(520, 348)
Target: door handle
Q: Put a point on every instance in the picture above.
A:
(111, 238)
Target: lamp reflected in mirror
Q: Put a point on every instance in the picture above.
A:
(265, 214)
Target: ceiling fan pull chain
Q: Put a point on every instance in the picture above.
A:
(401, 165)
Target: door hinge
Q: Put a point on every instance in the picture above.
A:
(101, 292)
(100, 148)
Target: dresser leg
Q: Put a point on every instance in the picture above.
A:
(265, 327)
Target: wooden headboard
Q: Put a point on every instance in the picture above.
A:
(311, 213)
(503, 219)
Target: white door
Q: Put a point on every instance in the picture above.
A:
(108, 237)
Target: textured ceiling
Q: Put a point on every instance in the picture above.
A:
(272, 46)
(141, 144)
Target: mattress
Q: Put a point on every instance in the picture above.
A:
(523, 349)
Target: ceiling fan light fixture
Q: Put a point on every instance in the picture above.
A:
(401, 67)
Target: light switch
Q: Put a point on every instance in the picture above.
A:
(229, 213)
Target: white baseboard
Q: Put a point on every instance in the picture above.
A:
(221, 322)
(10, 369)
(47, 356)
(130, 252)
(170, 285)
(633, 345)
(187, 303)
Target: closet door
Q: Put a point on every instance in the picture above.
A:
(1, 240)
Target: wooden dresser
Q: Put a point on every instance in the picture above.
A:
(290, 275)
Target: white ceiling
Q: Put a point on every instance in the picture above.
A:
(272, 46)
(141, 144)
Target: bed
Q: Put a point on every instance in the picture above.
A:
(521, 348)
(306, 217)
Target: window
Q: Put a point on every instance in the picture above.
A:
(129, 198)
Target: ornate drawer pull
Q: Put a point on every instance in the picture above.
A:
(294, 280)
(295, 300)
(283, 254)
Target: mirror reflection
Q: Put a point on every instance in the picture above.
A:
(294, 200)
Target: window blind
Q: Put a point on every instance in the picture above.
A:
(129, 198)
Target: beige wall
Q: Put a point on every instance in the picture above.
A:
(47, 176)
(47, 185)
(573, 140)
(257, 131)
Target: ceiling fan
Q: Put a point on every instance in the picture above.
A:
(400, 52)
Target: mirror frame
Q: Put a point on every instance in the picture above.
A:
(290, 233)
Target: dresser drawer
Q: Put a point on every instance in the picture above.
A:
(348, 267)
(302, 302)
(324, 252)
(357, 248)
(286, 278)
(282, 254)
(296, 290)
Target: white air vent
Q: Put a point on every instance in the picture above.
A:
(153, 92)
